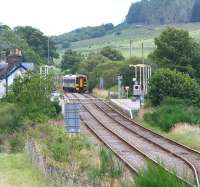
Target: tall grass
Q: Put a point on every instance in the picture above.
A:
(186, 134)
(73, 153)
(57, 144)
(110, 169)
(157, 177)
(173, 111)
(10, 118)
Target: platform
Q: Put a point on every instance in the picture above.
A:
(127, 105)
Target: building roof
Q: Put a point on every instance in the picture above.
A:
(28, 65)
(12, 62)
(6, 72)
(3, 65)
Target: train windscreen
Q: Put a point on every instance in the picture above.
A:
(70, 83)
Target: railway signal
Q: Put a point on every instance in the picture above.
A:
(141, 81)
(142, 76)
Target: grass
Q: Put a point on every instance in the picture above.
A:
(121, 42)
(173, 111)
(157, 177)
(186, 134)
(16, 170)
(100, 93)
(182, 133)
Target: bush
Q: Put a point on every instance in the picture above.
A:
(11, 116)
(173, 111)
(112, 54)
(32, 94)
(60, 151)
(59, 145)
(16, 143)
(170, 83)
(157, 177)
(109, 168)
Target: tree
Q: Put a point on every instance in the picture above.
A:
(89, 65)
(170, 83)
(37, 41)
(32, 94)
(109, 73)
(70, 60)
(176, 50)
(127, 72)
(112, 54)
(10, 40)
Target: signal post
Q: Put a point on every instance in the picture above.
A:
(141, 81)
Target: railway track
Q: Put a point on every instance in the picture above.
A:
(189, 155)
(142, 141)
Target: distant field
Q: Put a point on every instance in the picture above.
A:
(145, 34)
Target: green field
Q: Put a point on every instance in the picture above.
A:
(145, 34)
(16, 170)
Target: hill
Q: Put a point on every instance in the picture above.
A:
(164, 12)
(82, 33)
(145, 20)
(122, 34)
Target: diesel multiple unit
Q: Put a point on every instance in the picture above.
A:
(75, 83)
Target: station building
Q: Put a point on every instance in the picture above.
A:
(11, 67)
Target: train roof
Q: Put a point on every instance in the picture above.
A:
(74, 76)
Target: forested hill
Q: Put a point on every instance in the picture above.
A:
(82, 34)
(164, 12)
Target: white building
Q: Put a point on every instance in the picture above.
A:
(11, 69)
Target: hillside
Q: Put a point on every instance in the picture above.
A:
(145, 20)
(164, 12)
(121, 36)
(82, 33)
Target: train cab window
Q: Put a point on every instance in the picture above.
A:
(69, 80)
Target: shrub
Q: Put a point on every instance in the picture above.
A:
(11, 116)
(16, 143)
(60, 146)
(112, 54)
(157, 177)
(60, 151)
(173, 111)
(110, 168)
(32, 93)
(170, 83)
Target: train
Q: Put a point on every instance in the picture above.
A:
(75, 83)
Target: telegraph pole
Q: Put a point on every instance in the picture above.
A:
(48, 52)
(142, 53)
(131, 42)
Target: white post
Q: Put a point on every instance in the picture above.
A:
(144, 79)
(147, 78)
(136, 73)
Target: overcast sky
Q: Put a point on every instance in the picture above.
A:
(58, 16)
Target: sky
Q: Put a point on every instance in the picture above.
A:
(55, 17)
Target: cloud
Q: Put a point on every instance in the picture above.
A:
(59, 16)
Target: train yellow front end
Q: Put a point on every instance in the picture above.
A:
(75, 83)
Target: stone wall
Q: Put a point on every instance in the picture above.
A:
(55, 174)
